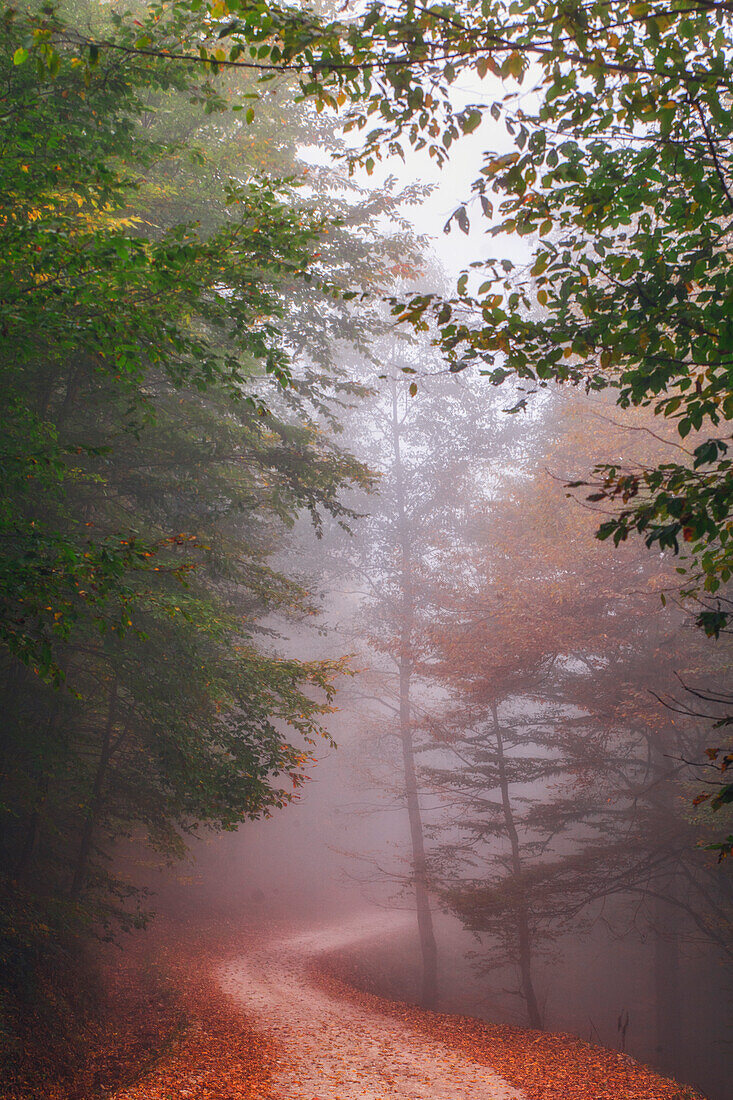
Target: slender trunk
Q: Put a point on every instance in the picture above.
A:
(668, 1002)
(428, 945)
(95, 802)
(521, 912)
(12, 688)
(29, 844)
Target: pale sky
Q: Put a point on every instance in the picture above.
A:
(455, 250)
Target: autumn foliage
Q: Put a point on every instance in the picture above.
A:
(151, 1023)
(544, 1066)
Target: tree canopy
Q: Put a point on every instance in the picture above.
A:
(160, 437)
(618, 169)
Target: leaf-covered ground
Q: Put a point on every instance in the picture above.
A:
(147, 1022)
(337, 1048)
(215, 1053)
(166, 1030)
(543, 1065)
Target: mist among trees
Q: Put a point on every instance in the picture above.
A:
(365, 521)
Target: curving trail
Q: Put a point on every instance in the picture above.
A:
(333, 1050)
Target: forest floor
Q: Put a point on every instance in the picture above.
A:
(338, 1047)
(277, 1013)
(277, 1021)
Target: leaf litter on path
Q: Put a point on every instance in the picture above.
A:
(277, 1022)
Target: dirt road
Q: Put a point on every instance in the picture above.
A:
(333, 1050)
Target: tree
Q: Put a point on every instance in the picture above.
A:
(622, 171)
(151, 468)
(565, 781)
(399, 562)
(482, 882)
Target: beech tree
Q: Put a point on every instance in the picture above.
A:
(390, 557)
(482, 880)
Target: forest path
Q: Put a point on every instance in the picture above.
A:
(336, 1050)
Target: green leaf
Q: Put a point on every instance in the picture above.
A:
(540, 264)
(471, 121)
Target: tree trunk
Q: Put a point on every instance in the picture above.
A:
(29, 843)
(95, 802)
(428, 945)
(665, 917)
(521, 911)
(667, 1001)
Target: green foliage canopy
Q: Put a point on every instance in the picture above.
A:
(156, 445)
(619, 168)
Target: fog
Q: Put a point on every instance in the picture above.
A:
(471, 558)
(311, 629)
